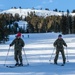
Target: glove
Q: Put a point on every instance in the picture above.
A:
(22, 45)
(55, 45)
(10, 45)
(66, 45)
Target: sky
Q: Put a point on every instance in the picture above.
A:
(62, 5)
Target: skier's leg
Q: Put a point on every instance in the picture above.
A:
(16, 57)
(20, 57)
(63, 56)
(56, 56)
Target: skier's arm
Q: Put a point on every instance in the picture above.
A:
(64, 43)
(23, 43)
(12, 43)
(55, 43)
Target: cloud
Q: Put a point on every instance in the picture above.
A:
(44, 2)
(39, 6)
(50, 1)
(47, 1)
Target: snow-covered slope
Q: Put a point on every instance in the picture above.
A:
(39, 49)
(72, 14)
(24, 12)
(22, 24)
(45, 13)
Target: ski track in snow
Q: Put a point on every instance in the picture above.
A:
(38, 50)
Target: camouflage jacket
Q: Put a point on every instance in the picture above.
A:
(59, 43)
(18, 43)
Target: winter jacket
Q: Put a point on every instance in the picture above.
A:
(59, 43)
(18, 43)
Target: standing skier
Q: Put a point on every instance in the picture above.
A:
(18, 44)
(59, 48)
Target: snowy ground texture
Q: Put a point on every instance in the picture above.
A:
(38, 50)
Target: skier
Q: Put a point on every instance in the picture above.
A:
(59, 43)
(18, 44)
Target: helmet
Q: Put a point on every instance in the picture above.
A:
(18, 34)
(59, 35)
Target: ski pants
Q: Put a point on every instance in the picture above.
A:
(57, 54)
(18, 55)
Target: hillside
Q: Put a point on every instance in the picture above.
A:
(24, 12)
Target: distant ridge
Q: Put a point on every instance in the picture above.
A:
(24, 12)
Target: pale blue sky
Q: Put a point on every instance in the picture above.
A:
(62, 5)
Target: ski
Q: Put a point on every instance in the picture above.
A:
(62, 64)
(58, 64)
(13, 66)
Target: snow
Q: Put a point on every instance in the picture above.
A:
(44, 13)
(22, 24)
(38, 49)
(72, 14)
(24, 12)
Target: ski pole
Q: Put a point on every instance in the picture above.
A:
(25, 56)
(7, 56)
(67, 54)
(51, 55)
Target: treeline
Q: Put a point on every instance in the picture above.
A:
(6, 20)
(39, 24)
(36, 24)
